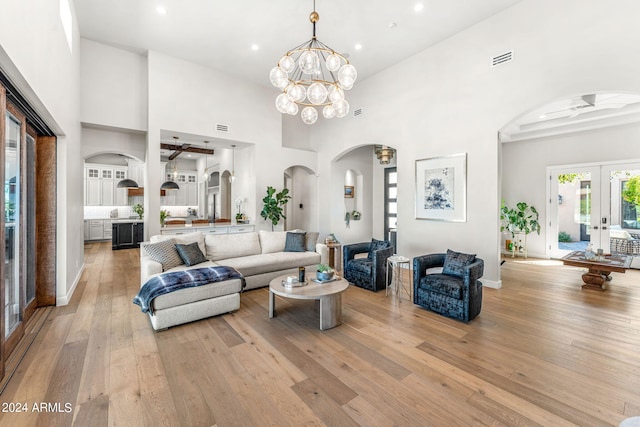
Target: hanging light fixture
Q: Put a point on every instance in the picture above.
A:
(384, 153)
(232, 177)
(127, 183)
(313, 75)
(205, 176)
(171, 184)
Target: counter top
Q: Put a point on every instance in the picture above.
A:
(209, 225)
(115, 219)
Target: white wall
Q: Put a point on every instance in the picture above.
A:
(447, 100)
(192, 99)
(524, 166)
(37, 58)
(103, 140)
(113, 86)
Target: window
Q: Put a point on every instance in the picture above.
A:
(67, 22)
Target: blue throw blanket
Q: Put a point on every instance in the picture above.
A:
(168, 282)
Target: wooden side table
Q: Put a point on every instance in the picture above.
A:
(335, 249)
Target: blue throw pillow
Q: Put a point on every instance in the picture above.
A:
(295, 242)
(455, 262)
(377, 245)
(191, 254)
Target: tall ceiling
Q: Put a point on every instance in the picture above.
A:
(220, 34)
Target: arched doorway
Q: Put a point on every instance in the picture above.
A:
(302, 209)
(548, 158)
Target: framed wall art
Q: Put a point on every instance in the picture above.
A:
(441, 188)
(348, 192)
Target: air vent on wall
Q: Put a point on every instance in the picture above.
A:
(222, 128)
(357, 112)
(502, 58)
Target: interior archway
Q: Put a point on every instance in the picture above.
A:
(302, 209)
(583, 129)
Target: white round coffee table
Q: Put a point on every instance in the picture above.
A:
(329, 294)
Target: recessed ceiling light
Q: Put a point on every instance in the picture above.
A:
(358, 46)
(543, 116)
(418, 7)
(161, 10)
(255, 47)
(392, 25)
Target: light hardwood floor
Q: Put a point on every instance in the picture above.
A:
(542, 352)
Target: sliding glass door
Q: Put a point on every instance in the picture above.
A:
(12, 182)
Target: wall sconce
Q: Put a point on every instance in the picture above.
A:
(559, 199)
(384, 153)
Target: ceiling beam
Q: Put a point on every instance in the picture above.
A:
(185, 148)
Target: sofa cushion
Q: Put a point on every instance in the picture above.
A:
(445, 284)
(455, 262)
(223, 246)
(377, 245)
(272, 241)
(189, 295)
(615, 233)
(311, 240)
(190, 254)
(295, 242)
(183, 239)
(165, 253)
(267, 263)
(362, 266)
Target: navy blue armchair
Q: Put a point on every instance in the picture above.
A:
(456, 292)
(369, 272)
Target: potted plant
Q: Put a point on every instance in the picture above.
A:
(163, 216)
(273, 205)
(521, 219)
(324, 272)
(139, 210)
(355, 215)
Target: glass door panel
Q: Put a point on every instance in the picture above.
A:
(391, 205)
(12, 308)
(572, 208)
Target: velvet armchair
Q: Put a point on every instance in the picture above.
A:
(367, 272)
(455, 292)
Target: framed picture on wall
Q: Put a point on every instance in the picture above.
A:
(348, 191)
(441, 188)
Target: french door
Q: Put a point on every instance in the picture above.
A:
(586, 202)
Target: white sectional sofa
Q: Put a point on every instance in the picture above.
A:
(259, 256)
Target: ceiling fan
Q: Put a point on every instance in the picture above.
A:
(184, 148)
(586, 103)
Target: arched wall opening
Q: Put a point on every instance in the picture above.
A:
(581, 129)
(302, 209)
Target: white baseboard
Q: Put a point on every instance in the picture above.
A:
(64, 300)
(491, 283)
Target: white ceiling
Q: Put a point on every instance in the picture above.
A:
(219, 34)
(580, 113)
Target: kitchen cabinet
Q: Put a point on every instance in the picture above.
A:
(126, 235)
(86, 229)
(96, 229)
(100, 185)
(187, 195)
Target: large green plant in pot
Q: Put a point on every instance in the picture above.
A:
(273, 205)
(521, 218)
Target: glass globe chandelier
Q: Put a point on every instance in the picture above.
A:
(311, 76)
